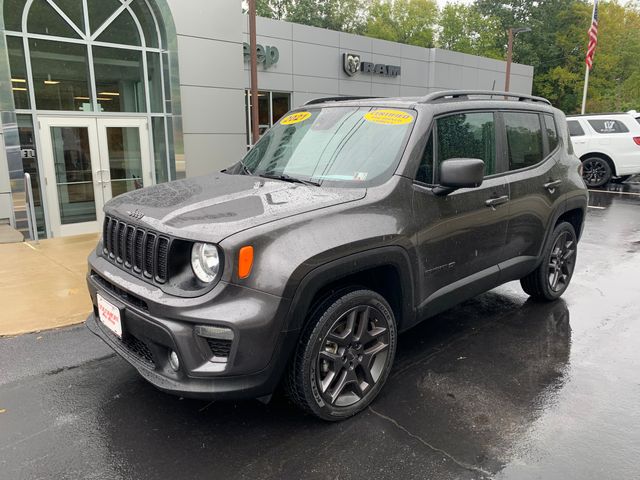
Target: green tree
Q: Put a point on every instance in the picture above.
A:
(464, 29)
(276, 9)
(406, 21)
(340, 15)
(613, 81)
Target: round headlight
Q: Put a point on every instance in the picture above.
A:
(205, 261)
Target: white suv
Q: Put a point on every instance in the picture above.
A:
(608, 145)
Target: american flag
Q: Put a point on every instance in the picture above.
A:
(593, 37)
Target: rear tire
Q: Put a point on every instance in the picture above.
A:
(552, 277)
(344, 356)
(596, 171)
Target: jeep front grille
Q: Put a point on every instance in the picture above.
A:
(142, 251)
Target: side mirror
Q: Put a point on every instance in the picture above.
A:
(458, 173)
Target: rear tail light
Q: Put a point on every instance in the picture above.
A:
(637, 140)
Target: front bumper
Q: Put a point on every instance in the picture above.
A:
(154, 324)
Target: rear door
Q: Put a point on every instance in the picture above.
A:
(535, 177)
(460, 237)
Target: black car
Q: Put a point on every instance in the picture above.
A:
(349, 222)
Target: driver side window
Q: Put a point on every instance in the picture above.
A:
(468, 135)
(463, 135)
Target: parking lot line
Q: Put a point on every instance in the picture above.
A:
(616, 193)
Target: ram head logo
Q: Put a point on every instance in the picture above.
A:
(351, 63)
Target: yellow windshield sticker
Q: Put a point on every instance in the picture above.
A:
(388, 117)
(295, 118)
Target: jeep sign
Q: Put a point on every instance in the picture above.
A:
(352, 65)
(267, 55)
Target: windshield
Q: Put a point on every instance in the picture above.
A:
(348, 145)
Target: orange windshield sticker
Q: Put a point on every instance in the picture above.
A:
(296, 117)
(388, 117)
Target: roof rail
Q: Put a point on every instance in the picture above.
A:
(464, 94)
(335, 99)
(597, 114)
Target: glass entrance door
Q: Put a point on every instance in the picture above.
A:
(87, 162)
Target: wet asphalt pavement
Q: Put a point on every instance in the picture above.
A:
(499, 387)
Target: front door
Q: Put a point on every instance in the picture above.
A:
(461, 236)
(87, 162)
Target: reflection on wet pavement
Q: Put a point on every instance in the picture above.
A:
(500, 386)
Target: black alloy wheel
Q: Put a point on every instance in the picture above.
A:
(596, 172)
(552, 277)
(561, 261)
(352, 356)
(344, 356)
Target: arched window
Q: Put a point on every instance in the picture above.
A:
(87, 55)
(95, 57)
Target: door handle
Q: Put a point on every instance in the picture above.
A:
(551, 186)
(100, 173)
(495, 201)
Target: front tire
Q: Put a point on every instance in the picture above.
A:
(344, 356)
(552, 277)
(596, 172)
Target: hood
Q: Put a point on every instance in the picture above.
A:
(212, 207)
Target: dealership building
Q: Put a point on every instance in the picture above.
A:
(99, 97)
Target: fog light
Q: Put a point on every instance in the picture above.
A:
(173, 361)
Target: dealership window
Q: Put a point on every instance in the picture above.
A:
(93, 56)
(29, 154)
(271, 107)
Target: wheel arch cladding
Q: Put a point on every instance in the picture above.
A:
(386, 271)
(575, 217)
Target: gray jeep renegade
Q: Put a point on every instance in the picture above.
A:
(350, 221)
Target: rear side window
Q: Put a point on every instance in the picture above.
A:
(575, 129)
(552, 132)
(608, 126)
(524, 139)
(468, 135)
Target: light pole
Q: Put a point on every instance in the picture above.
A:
(512, 34)
(253, 99)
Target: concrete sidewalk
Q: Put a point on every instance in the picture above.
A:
(43, 286)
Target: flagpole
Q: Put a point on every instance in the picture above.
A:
(586, 87)
(587, 69)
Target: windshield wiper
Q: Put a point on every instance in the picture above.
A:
(287, 178)
(245, 169)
